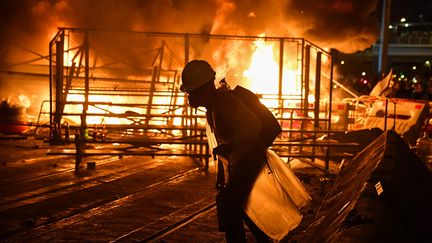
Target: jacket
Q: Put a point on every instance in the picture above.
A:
(237, 129)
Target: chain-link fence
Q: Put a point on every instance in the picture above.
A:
(128, 82)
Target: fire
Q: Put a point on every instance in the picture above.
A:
(68, 58)
(24, 101)
(263, 73)
(97, 109)
(109, 106)
(262, 76)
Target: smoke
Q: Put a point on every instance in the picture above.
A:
(346, 25)
(30, 24)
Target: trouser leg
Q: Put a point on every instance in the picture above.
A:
(242, 178)
(232, 220)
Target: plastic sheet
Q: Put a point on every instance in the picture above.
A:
(276, 198)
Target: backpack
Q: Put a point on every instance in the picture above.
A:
(270, 127)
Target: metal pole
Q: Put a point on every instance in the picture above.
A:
(317, 89)
(331, 88)
(185, 108)
(281, 65)
(83, 127)
(50, 88)
(306, 79)
(78, 151)
(385, 19)
(317, 98)
(327, 160)
(58, 89)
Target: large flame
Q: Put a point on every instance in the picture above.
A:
(263, 75)
(263, 71)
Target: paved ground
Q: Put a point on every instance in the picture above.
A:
(108, 202)
(161, 199)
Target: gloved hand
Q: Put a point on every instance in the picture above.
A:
(222, 149)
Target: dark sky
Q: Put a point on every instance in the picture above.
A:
(411, 10)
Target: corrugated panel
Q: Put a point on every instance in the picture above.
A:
(384, 193)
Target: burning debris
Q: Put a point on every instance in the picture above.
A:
(13, 116)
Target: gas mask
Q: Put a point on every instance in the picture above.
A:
(195, 100)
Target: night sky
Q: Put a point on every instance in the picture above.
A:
(412, 10)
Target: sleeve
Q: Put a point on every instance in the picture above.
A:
(237, 125)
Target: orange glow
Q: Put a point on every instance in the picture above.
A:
(100, 109)
(263, 73)
(262, 76)
(264, 70)
(118, 110)
(67, 58)
(25, 101)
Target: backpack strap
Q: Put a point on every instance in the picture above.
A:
(221, 90)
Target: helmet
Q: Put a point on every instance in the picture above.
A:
(195, 74)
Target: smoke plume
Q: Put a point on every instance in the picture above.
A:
(346, 25)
